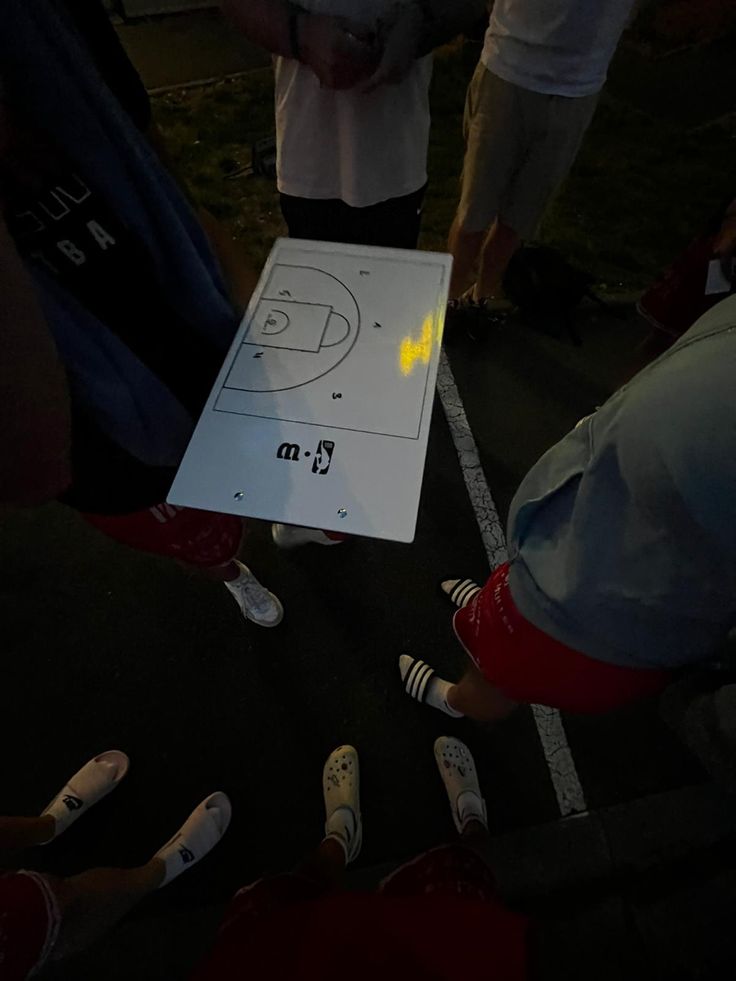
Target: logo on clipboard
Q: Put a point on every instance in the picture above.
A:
(322, 461)
(323, 456)
(288, 451)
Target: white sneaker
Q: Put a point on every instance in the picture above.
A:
(292, 536)
(255, 601)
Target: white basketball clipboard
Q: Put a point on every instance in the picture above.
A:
(321, 412)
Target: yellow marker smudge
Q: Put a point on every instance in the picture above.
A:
(413, 352)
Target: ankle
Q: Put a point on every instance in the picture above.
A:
(26, 832)
(231, 572)
(327, 863)
(46, 829)
(474, 830)
(153, 873)
(451, 697)
(334, 849)
(222, 573)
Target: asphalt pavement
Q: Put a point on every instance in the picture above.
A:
(105, 647)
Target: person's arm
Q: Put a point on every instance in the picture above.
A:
(35, 426)
(418, 28)
(338, 52)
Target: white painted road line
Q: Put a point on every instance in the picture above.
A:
(486, 514)
(560, 762)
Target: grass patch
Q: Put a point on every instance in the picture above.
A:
(638, 192)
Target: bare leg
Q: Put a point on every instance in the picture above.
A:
(229, 570)
(474, 831)
(325, 864)
(465, 248)
(24, 832)
(221, 573)
(474, 697)
(93, 902)
(499, 247)
(475, 835)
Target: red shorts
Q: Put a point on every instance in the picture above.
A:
(201, 538)
(529, 666)
(29, 924)
(293, 927)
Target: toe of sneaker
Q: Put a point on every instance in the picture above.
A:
(272, 618)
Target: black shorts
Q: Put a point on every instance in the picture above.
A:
(394, 223)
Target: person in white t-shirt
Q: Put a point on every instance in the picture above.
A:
(352, 109)
(528, 107)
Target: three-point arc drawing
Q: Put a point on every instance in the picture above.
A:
(304, 325)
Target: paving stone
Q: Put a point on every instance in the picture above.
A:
(689, 933)
(597, 943)
(553, 858)
(665, 828)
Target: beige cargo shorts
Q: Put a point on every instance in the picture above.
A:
(520, 146)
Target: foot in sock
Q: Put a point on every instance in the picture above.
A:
(199, 834)
(423, 684)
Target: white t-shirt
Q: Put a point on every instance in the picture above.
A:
(362, 149)
(557, 47)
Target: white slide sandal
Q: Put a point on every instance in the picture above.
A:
(341, 788)
(416, 675)
(97, 778)
(199, 834)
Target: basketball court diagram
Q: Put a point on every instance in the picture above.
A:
(325, 347)
(292, 338)
(321, 411)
